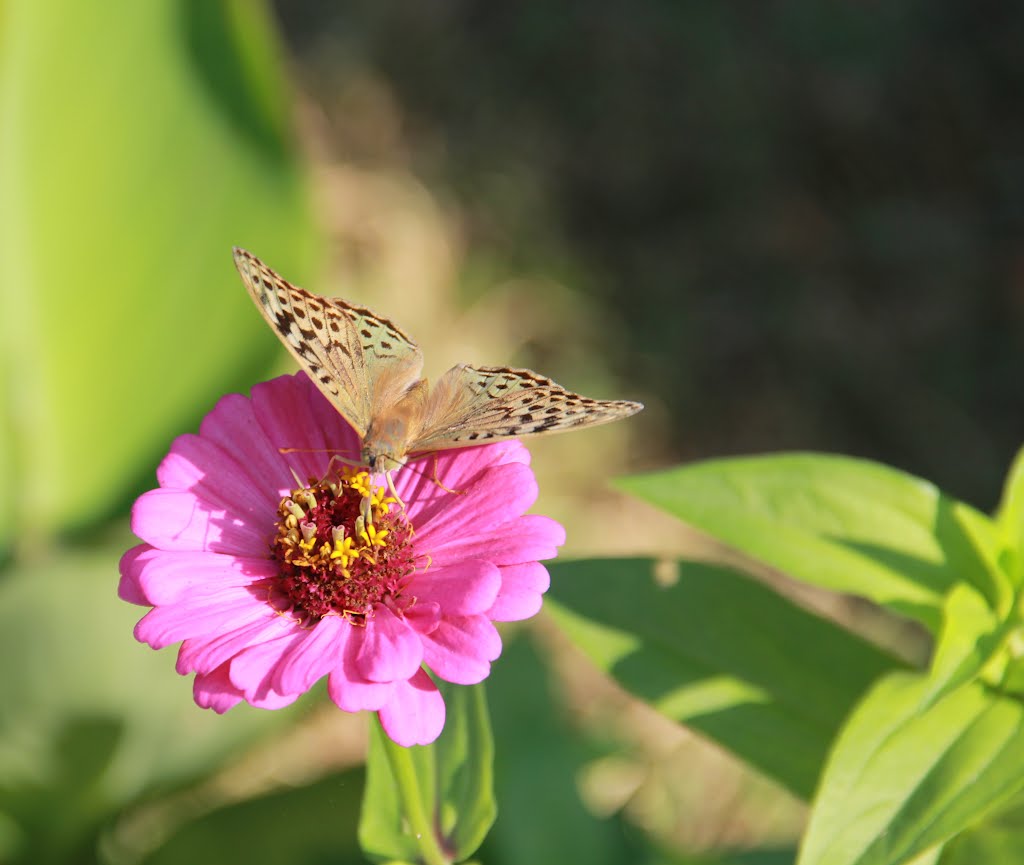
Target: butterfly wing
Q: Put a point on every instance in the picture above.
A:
(360, 361)
(472, 405)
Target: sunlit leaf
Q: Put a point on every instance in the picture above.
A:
(1010, 514)
(907, 775)
(723, 654)
(843, 524)
(138, 143)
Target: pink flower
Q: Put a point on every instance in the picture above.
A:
(271, 584)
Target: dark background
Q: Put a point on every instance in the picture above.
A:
(805, 220)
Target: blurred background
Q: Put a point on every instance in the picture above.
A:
(782, 226)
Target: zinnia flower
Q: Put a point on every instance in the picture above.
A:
(275, 569)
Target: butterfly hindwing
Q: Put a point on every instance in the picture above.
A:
(471, 405)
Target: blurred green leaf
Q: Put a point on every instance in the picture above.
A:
(540, 754)
(844, 524)
(998, 840)
(906, 776)
(138, 143)
(454, 779)
(970, 637)
(1010, 515)
(309, 824)
(90, 718)
(724, 655)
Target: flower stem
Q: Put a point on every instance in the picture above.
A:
(404, 772)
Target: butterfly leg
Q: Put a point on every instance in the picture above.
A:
(437, 481)
(393, 491)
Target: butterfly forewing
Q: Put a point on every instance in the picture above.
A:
(477, 404)
(360, 361)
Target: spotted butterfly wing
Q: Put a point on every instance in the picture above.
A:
(470, 405)
(361, 362)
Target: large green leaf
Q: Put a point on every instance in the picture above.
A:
(446, 786)
(138, 143)
(844, 524)
(907, 775)
(723, 654)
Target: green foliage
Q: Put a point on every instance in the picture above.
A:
(843, 524)
(133, 155)
(907, 773)
(724, 655)
(305, 825)
(443, 790)
(925, 758)
(92, 721)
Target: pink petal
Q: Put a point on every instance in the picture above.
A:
(166, 577)
(415, 713)
(201, 615)
(497, 496)
(205, 653)
(214, 690)
(346, 685)
(525, 539)
(128, 588)
(391, 650)
(177, 520)
(461, 589)
(456, 469)
(214, 475)
(460, 649)
(253, 670)
(294, 414)
(233, 426)
(318, 651)
(423, 617)
(521, 593)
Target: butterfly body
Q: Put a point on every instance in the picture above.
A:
(371, 372)
(388, 432)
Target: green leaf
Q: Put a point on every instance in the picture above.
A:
(998, 840)
(1010, 515)
(906, 775)
(444, 790)
(314, 823)
(92, 719)
(138, 143)
(723, 654)
(844, 524)
(540, 755)
(971, 636)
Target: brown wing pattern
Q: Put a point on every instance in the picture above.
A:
(478, 404)
(357, 359)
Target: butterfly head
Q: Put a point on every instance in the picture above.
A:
(381, 453)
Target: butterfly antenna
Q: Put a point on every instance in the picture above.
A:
(319, 451)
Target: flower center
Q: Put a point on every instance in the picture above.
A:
(342, 547)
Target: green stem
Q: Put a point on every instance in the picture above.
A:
(404, 773)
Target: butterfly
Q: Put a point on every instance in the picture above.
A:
(370, 371)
